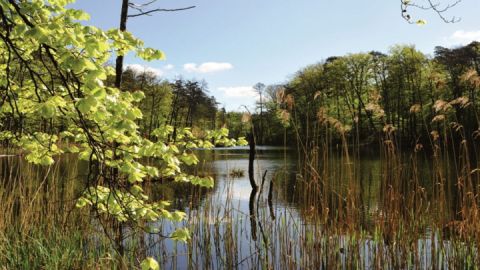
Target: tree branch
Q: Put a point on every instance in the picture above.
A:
(141, 5)
(430, 5)
(157, 10)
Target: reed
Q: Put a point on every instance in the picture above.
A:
(40, 227)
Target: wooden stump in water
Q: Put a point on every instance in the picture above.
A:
(251, 159)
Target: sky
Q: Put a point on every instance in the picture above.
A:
(233, 45)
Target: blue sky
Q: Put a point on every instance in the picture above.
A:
(235, 44)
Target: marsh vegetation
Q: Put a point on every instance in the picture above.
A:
(372, 159)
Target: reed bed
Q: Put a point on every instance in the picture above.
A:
(40, 227)
(409, 210)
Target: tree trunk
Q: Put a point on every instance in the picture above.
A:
(119, 60)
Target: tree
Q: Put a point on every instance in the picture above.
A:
(55, 69)
(192, 106)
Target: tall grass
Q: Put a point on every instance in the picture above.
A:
(40, 227)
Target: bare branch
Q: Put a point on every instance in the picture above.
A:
(133, 5)
(437, 7)
(158, 10)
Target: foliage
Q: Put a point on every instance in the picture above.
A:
(191, 105)
(55, 72)
(362, 93)
(156, 105)
(150, 264)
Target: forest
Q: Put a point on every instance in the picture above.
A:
(358, 93)
(364, 92)
(366, 160)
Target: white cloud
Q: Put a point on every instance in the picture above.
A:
(169, 67)
(239, 91)
(462, 37)
(207, 67)
(139, 68)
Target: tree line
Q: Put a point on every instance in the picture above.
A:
(179, 103)
(359, 94)
(363, 95)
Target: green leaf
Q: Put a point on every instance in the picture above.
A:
(150, 54)
(181, 234)
(73, 149)
(189, 159)
(149, 264)
(82, 202)
(57, 101)
(242, 142)
(46, 160)
(99, 93)
(421, 22)
(86, 105)
(46, 110)
(80, 15)
(138, 96)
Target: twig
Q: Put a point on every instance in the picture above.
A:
(157, 10)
